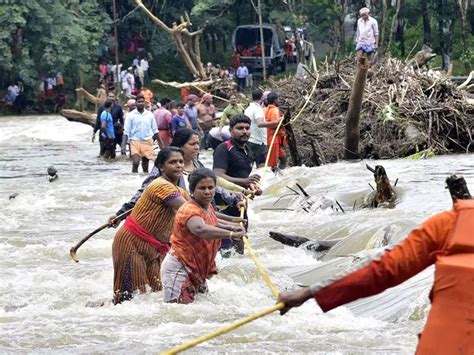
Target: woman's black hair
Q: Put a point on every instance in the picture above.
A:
(182, 136)
(199, 174)
(164, 155)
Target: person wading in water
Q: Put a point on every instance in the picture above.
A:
(195, 241)
(446, 240)
(141, 243)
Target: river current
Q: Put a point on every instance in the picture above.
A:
(45, 298)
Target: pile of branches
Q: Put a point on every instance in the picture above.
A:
(405, 110)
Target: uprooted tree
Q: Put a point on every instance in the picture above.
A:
(186, 40)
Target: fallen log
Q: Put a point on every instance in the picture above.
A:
(79, 116)
(296, 241)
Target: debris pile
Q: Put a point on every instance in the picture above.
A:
(405, 110)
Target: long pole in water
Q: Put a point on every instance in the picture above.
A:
(223, 330)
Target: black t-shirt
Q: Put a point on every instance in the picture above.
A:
(236, 161)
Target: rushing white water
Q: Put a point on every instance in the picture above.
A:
(43, 293)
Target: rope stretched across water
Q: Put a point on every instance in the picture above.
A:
(255, 259)
(223, 330)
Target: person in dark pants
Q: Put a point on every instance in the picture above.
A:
(107, 133)
(233, 162)
(117, 117)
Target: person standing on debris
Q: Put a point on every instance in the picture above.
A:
(444, 240)
(241, 74)
(367, 34)
(140, 131)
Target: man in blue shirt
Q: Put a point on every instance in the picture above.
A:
(140, 131)
(117, 116)
(179, 121)
(191, 112)
(107, 132)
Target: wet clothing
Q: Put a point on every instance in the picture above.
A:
(222, 190)
(144, 149)
(140, 126)
(136, 260)
(444, 240)
(235, 160)
(272, 113)
(178, 122)
(163, 122)
(108, 132)
(117, 117)
(192, 114)
(197, 255)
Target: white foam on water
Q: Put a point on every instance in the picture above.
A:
(43, 293)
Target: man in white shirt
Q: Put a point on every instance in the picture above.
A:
(367, 34)
(140, 130)
(145, 66)
(258, 131)
(241, 75)
(12, 93)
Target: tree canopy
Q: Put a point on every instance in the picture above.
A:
(38, 36)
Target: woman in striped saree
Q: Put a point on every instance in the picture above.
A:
(142, 242)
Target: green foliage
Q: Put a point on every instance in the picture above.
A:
(55, 36)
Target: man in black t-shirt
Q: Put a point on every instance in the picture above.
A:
(233, 159)
(233, 162)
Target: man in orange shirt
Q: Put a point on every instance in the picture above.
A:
(277, 159)
(147, 94)
(445, 240)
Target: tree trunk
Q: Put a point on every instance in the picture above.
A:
(187, 43)
(445, 27)
(292, 144)
(463, 5)
(382, 27)
(339, 40)
(353, 112)
(394, 26)
(401, 35)
(426, 23)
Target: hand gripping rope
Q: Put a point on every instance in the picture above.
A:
(258, 264)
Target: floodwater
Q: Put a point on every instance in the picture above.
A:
(45, 297)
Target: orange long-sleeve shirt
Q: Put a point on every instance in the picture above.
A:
(414, 254)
